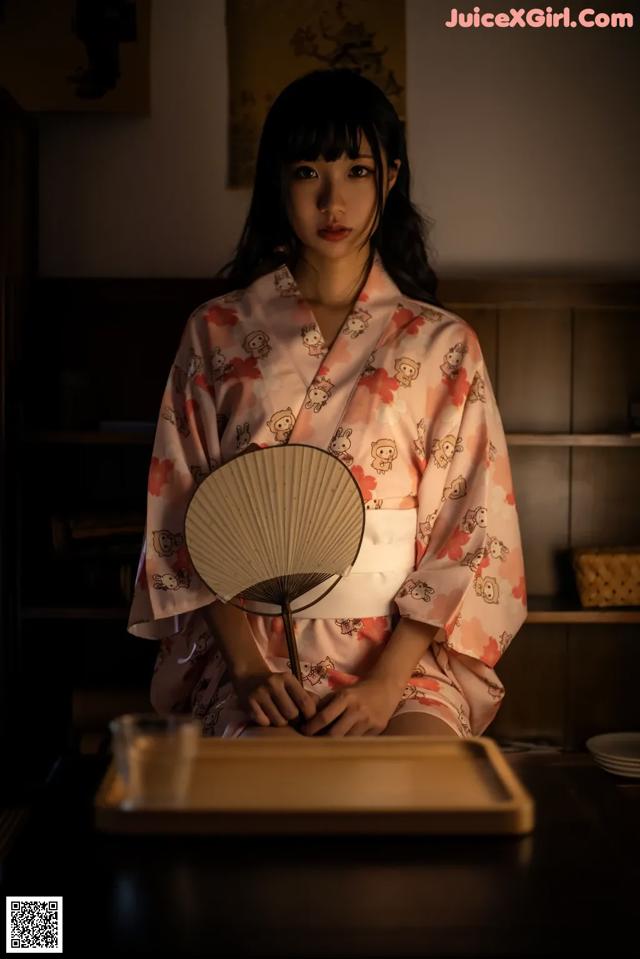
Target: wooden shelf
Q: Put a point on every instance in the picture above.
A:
(83, 437)
(573, 439)
(74, 612)
(541, 609)
(557, 609)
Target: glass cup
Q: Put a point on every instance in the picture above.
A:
(155, 756)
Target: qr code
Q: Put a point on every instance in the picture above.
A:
(34, 924)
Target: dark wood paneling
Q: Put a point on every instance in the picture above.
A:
(606, 368)
(604, 507)
(539, 291)
(541, 489)
(602, 692)
(485, 324)
(105, 347)
(535, 369)
(533, 673)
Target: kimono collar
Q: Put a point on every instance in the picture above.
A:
(379, 290)
(315, 380)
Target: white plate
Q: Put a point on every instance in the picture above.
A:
(617, 763)
(618, 771)
(616, 746)
(623, 763)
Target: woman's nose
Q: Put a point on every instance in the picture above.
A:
(331, 199)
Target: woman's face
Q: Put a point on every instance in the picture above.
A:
(321, 194)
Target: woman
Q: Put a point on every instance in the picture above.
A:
(332, 335)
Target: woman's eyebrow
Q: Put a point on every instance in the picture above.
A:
(360, 156)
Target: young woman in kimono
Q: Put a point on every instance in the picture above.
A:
(338, 341)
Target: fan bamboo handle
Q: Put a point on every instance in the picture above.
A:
(291, 641)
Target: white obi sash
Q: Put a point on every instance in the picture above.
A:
(386, 557)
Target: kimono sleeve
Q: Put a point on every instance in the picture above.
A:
(185, 450)
(469, 577)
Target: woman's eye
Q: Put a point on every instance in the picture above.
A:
(366, 169)
(359, 171)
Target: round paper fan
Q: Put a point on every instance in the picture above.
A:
(272, 525)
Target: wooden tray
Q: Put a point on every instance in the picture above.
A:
(393, 785)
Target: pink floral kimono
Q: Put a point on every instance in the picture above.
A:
(403, 398)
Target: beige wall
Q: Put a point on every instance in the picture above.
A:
(524, 147)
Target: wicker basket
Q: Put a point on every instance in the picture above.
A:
(608, 575)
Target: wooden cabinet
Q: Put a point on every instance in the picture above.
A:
(18, 266)
(563, 359)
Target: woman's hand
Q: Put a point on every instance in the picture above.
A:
(363, 709)
(273, 699)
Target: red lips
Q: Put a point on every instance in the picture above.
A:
(334, 233)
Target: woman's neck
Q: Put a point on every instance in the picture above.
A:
(328, 283)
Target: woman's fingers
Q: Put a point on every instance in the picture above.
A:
(280, 698)
(306, 702)
(326, 715)
(259, 714)
(267, 705)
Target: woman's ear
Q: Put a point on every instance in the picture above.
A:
(392, 174)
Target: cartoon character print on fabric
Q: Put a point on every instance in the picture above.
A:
(177, 418)
(199, 473)
(443, 450)
(281, 424)
(195, 365)
(383, 453)
(314, 673)
(166, 543)
(369, 368)
(496, 549)
(312, 340)
(208, 697)
(477, 390)
(456, 489)
(209, 716)
(179, 580)
(219, 366)
(504, 640)
(257, 344)
(418, 688)
(473, 560)
(284, 282)
(417, 590)
(339, 445)
(349, 626)
(453, 360)
(243, 436)
(420, 444)
(374, 504)
(407, 370)
(356, 323)
(195, 650)
(425, 529)
(473, 518)
(487, 588)
(318, 394)
(199, 646)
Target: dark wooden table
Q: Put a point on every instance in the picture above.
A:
(570, 888)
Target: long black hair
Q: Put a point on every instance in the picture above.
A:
(324, 113)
